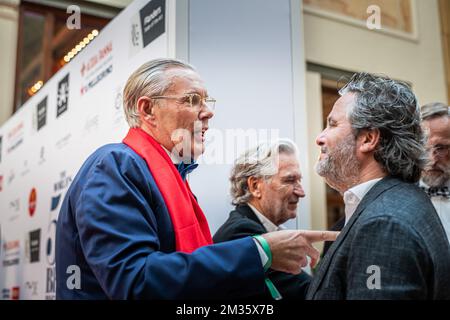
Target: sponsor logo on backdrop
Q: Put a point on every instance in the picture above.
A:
(118, 115)
(1, 182)
(99, 77)
(6, 294)
(96, 68)
(26, 169)
(1, 140)
(34, 245)
(58, 187)
(41, 156)
(11, 177)
(11, 293)
(15, 137)
(32, 202)
(153, 20)
(62, 98)
(63, 182)
(41, 113)
(95, 60)
(14, 209)
(136, 37)
(15, 293)
(32, 288)
(63, 142)
(147, 25)
(91, 125)
(50, 287)
(50, 244)
(11, 251)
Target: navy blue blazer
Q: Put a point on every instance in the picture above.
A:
(115, 229)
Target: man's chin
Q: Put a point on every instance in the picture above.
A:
(435, 178)
(197, 150)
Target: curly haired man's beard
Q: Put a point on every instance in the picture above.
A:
(340, 167)
(439, 177)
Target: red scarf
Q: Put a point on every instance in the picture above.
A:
(189, 223)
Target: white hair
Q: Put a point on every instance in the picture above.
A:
(259, 162)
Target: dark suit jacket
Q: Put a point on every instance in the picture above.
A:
(394, 230)
(336, 227)
(243, 222)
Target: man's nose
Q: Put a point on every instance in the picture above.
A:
(298, 191)
(206, 113)
(320, 140)
(432, 158)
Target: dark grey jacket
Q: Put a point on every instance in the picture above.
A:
(395, 233)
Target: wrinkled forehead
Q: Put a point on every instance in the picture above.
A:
(342, 106)
(438, 128)
(185, 80)
(288, 164)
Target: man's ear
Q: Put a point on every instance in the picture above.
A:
(145, 108)
(368, 140)
(254, 186)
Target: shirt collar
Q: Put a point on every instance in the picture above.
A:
(354, 195)
(174, 157)
(423, 184)
(269, 225)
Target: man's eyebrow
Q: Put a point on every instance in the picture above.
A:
(330, 119)
(199, 91)
(292, 176)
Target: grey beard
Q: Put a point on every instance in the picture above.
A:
(341, 167)
(437, 181)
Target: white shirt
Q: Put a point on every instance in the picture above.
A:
(269, 225)
(353, 196)
(442, 206)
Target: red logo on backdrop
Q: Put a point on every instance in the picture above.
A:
(1, 183)
(15, 293)
(32, 202)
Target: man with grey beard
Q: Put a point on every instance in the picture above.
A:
(393, 245)
(436, 175)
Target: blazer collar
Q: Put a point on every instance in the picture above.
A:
(381, 186)
(247, 212)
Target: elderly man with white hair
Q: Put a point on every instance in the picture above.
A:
(266, 188)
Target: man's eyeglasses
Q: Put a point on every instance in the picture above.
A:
(440, 150)
(195, 100)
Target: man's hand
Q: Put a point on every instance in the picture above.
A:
(290, 248)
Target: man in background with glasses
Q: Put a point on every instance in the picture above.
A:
(130, 227)
(435, 179)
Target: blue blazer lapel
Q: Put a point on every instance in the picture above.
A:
(380, 187)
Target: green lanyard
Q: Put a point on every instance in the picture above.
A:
(272, 289)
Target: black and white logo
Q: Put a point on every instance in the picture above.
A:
(42, 113)
(50, 245)
(62, 100)
(34, 245)
(153, 20)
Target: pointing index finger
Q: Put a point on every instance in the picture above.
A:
(317, 236)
